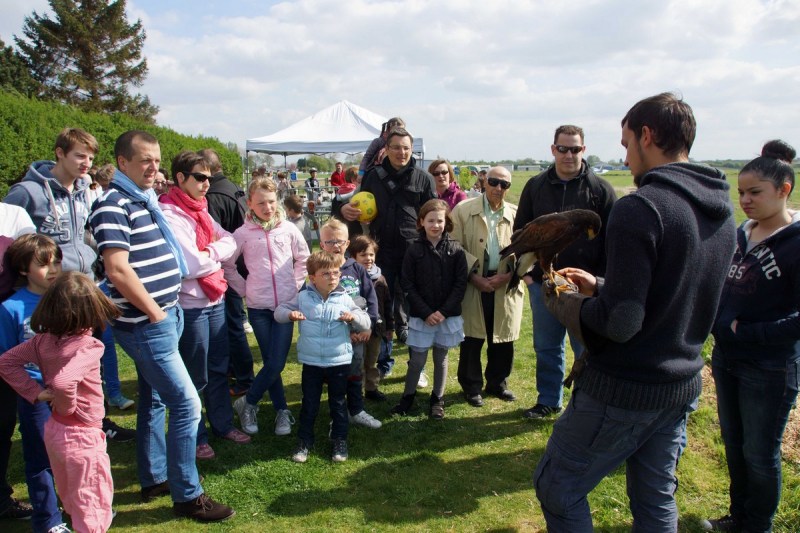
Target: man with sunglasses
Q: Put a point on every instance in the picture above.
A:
(568, 184)
(483, 226)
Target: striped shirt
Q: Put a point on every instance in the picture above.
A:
(118, 222)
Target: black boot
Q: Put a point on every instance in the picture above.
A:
(406, 402)
(437, 407)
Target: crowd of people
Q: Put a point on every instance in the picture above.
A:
(170, 269)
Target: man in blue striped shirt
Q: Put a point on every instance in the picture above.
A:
(144, 267)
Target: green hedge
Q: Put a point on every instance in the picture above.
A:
(28, 130)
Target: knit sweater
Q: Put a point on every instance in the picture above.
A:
(669, 247)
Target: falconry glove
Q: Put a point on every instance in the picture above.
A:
(565, 304)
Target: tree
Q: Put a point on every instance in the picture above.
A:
(88, 56)
(14, 75)
(593, 160)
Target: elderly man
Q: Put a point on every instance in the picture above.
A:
(568, 184)
(483, 226)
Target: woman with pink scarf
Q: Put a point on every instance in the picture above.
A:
(204, 341)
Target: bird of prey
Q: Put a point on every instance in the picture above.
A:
(546, 236)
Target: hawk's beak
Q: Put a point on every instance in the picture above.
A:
(591, 234)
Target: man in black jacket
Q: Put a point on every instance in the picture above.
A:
(568, 184)
(669, 247)
(226, 205)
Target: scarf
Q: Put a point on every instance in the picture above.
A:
(266, 225)
(214, 284)
(128, 188)
(374, 272)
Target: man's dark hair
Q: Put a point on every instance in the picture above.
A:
(669, 118)
(124, 144)
(212, 159)
(399, 132)
(568, 129)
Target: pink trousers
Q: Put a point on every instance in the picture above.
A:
(82, 472)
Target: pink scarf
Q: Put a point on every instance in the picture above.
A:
(213, 285)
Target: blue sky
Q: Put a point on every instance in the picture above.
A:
(475, 79)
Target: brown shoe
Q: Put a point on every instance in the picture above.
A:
(154, 491)
(203, 509)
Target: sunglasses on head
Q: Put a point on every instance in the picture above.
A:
(561, 149)
(494, 182)
(198, 176)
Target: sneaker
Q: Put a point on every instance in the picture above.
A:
(116, 433)
(284, 422)
(247, 415)
(154, 491)
(237, 436)
(339, 454)
(300, 454)
(203, 509)
(365, 419)
(120, 402)
(539, 411)
(60, 528)
(204, 452)
(17, 510)
(375, 395)
(247, 327)
(726, 523)
(423, 381)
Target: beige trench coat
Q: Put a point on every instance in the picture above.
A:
(471, 230)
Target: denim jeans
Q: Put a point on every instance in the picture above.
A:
(241, 358)
(549, 344)
(204, 350)
(109, 364)
(589, 441)
(385, 359)
(753, 402)
(274, 340)
(164, 383)
(38, 475)
(312, 380)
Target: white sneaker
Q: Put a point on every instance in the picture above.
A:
(283, 422)
(247, 415)
(365, 419)
(60, 528)
(247, 327)
(423, 381)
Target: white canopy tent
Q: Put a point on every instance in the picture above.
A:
(340, 128)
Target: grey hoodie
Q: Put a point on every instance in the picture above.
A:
(57, 213)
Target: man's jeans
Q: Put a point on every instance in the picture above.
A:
(204, 350)
(589, 441)
(549, 338)
(241, 358)
(164, 383)
(274, 341)
(754, 401)
(312, 380)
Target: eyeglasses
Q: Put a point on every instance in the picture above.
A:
(441, 173)
(494, 182)
(198, 176)
(334, 242)
(561, 149)
(330, 275)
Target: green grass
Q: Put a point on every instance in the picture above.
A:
(469, 472)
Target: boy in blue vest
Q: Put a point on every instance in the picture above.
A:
(326, 314)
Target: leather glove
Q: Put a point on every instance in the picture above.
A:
(565, 306)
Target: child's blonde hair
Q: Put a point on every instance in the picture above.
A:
(261, 184)
(72, 305)
(334, 224)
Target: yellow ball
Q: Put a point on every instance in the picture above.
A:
(366, 202)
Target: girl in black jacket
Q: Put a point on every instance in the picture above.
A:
(434, 278)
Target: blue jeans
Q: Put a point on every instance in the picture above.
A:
(109, 364)
(38, 475)
(204, 350)
(241, 358)
(164, 383)
(589, 441)
(274, 340)
(311, 382)
(549, 338)
(753, 402)
(385, 359)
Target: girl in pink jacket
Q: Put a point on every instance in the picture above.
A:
(69, 358)
(275, 254)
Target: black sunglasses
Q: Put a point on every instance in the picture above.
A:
(198, 176)
(561, 149)
(494, 182)
(441, 173)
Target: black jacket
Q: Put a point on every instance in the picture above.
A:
(398, 194)
(434, 279)
(546, 193)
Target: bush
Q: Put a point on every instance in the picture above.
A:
(28, 129)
